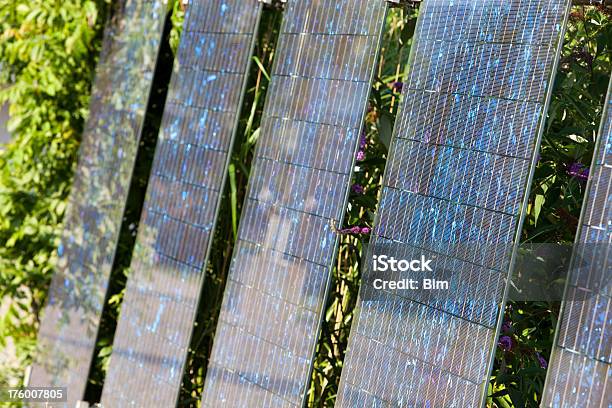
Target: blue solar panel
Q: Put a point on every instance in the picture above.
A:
(93, 218)
(267, 331)
(456, 181)
(580, 365)
(185, 188)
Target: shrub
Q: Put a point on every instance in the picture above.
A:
(48, 51)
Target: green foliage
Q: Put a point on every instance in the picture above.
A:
(177, 18)
(518, 376)
(572, 126)
(556, 198)
(48, 51)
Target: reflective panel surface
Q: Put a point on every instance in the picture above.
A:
(267, 331)
(458, 173)
(580, 365)
(167, 271)
(95, 209)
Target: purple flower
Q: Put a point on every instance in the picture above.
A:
(506, 326)
(357, 188)
(363, 141)
(505, 342)
(398, 86)
(578, 170)
(360, 155)
(542, 360)
(355, 230)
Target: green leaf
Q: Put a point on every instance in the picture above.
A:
(385, 129)
(261, 67)
(233, 198)
(23, 8)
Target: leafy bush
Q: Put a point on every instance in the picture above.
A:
(48, 52)
(556, 199)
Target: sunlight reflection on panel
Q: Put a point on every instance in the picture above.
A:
(267, 331)
(95, 208)
(167, 271)
(458, 172)
(580, 365)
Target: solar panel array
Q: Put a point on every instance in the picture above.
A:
(271, 311)
(94, 214)
(580, 365)
(456, 179)
(167, 271)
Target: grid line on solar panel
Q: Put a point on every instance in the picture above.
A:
(272, 306)
(478, 332)
(581, 358)
(512, 146)
(167, 271)
(94, 213)
(283, 253)
(460, 162)
(452, 201)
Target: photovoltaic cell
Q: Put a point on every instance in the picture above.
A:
(95, 209)
(456, 180)
(580, 366)
(267, 330)
(168, 266)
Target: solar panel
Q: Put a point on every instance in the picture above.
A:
(94, 214)
(267, 331)
(456, 180)
(185, 188)
(579, 370)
